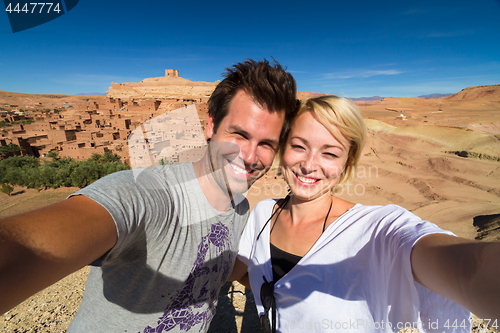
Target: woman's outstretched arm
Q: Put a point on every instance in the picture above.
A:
(463, 270)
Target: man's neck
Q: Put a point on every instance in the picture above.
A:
(217, 197)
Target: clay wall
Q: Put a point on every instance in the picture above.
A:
(124, 134)
(17, 128)
(110, 103)
(34, 139)
(172, 72)
(81, 151)
(150, 105)
(120, 124)
(58, 136)
(105, 112)
(110, 135)
(84, 136)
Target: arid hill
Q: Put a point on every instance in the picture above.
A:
(165, 87)
(490, 93)
(41, 101)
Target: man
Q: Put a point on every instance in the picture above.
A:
(165, 241)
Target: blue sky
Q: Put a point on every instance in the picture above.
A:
(348, 48)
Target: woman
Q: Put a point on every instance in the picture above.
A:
(319, 263)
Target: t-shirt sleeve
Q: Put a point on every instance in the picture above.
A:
(131, 200)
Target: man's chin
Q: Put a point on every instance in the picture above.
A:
(238, 187)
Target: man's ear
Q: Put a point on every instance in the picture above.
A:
(210, 127)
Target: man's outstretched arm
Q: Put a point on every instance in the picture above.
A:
(40, 247)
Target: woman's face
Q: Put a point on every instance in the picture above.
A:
(313, 159)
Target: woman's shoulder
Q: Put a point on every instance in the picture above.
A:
(387, 207)
(382, 211)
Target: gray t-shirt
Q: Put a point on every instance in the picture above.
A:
(174, 252)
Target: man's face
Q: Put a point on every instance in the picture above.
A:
(245, 143)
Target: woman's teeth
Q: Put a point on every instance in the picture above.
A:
(306, 180)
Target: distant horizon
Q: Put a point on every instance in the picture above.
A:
(363, 98)
(360, 98)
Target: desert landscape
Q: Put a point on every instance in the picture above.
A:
(439, 158)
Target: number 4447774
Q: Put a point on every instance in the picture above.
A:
(30, 9)
(481, 323)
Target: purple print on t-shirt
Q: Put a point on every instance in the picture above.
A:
(182, 309)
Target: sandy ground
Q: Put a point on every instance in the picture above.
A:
(442, 163)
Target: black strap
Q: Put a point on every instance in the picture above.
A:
(278, 210)
(273, 305)
(327, 214)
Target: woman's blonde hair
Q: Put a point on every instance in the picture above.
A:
(332, 111)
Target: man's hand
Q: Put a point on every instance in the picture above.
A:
(40, 247)
(240, 274)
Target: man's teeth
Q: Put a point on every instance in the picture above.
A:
(306, 180)
(238, 169)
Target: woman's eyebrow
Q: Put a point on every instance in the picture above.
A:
(325, 146)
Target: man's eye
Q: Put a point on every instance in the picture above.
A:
(269, 145)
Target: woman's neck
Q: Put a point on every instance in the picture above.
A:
(304, 211)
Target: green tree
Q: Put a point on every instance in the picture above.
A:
(12, 168)
(28, 171)
(107, 157)
(7, 189)
(86, 173)
(110, 157)
(10, 150)
(63, 173)
(53, 154)
(111, 167)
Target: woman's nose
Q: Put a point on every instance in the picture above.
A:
(309, 163)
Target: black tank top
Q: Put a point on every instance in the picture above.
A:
(282, 262)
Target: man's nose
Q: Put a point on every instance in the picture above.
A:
(249, 153)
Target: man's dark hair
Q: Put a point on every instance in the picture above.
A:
(269, 85)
